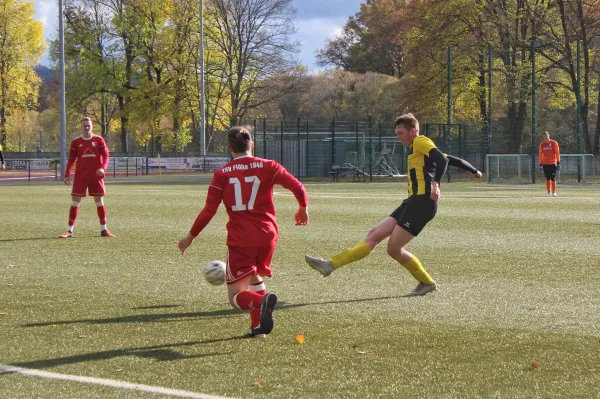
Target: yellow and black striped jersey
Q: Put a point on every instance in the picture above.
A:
(421, 168)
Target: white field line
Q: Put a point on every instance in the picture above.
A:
(388, 197)
(26, 178)
(106, 382)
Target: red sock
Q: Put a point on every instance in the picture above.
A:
(548, 185)
(255, 313)
(248, 300)
(73, 212)
(554, 186)
(101, 214)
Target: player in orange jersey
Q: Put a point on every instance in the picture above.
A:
(245, 187)
(91, 154)
(549, 162)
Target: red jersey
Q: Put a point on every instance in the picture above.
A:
(245, 186)
(549, 152)
(91, 154)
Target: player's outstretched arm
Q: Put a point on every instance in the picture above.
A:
(184, 243)
(213, 200)
(462, 164)
(301, 216)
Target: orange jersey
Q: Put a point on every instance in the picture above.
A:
(549, 153)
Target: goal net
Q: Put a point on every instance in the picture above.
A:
(576, 168)
(508, 168)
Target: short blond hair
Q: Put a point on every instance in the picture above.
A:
(86, 119)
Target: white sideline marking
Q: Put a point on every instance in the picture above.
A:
(106, 382)
(26, 178)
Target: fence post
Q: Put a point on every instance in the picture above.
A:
(307, 149)
(370, 149)
(333, 142)
(264, 138)
(533, 116)
(298, 148)
(281, 143)
(254, 133)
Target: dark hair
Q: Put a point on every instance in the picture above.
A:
(239, 139)
(407, 121)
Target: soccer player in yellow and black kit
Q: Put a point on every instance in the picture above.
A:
(426, 167)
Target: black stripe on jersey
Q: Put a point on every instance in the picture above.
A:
(427, 175)
(414, 182)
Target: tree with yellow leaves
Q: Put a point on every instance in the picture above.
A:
(21, 47)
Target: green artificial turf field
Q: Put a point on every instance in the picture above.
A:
(517, 314)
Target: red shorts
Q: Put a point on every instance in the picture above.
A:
(94, 185)
(243, 262)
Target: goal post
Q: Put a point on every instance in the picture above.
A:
(517, 169)
(508, 168)
(576, 168)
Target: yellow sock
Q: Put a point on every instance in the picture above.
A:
(415, 268)
(350, 255)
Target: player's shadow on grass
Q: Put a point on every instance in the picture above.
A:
(143, 318)
(157, 352)
(162, 317)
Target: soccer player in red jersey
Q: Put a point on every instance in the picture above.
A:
(91, 154)
(245, 186)
(549, 155)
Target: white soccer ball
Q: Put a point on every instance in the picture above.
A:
(214, 272)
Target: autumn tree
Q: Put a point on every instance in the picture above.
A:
(575, 21)
(254, 38)
(372, 40)
(21, 47)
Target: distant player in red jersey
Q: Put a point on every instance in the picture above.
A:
(245, 186)
(549, 162)
(91, 154)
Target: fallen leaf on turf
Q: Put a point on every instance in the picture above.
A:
(233, 321)
(258, 384)
(530, 284)
(53, 325)
(127, 275)
(361, 352)
(82, 337)
(534, 365)
(11, 265)
(119, 369)
(377, 357)
(300, 338)
(9, 285)
(3, 313)
(531, 308)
